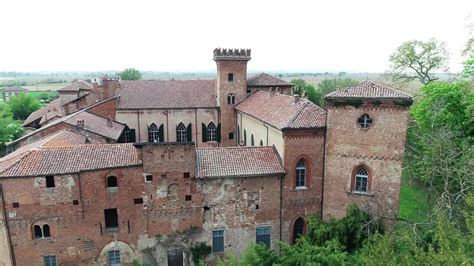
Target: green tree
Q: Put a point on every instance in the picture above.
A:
(298, 86)
(9, 131)
(130, 74)
(301, 87)
(327, 86)
(417, 60)
(23, 105)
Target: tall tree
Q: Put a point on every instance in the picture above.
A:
(329, 85)
(418, 60)
(23, 105)
(130, 74)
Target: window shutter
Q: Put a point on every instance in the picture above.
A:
(161, 133)
(218, 133)
(149, 133)
(204, 133)
(132, 135)
(189, 133)
(177, 140)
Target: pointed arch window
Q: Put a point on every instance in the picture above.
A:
(211, 132)
(361, 180)
(153, 133)
(261, 142)
(298, 229)
(301, 174)
(245, 137)
(252, 140)
(181, 131)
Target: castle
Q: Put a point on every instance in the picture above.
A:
(121, 171)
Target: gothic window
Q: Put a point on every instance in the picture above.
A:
(252, 140)
(365, 121)
(38, 233)
(261, 142)
(361, 180)
(112, 181)
(153, 133)
(230, 98)
(46, 232)
(211, 132)
(181, 133)
(300, 174)
(298, 229)
(128, 135)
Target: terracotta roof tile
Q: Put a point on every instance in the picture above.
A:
(264, 80)
(72, 159)
(53, 106)
(76, 86)
(281, 111)
(96, 124)
(370, 90)
(238, 162)
(167, 94)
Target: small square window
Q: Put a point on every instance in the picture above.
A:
(218, 241)
(50, 260)
(50, 181)
(149, 178)
(138, 201)
(114, 257)
(230, 77)
(75, 202)
(263, 235)
(16, 205)
(188, 197)
(231, 135)
(186, 175)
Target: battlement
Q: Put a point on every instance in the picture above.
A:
(231, 54)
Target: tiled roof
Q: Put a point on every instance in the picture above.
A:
(281, 111)
(370, 90)
(167, 94)
(70, 159)
(53, 106)
(96, 124)
(76, 86)
(238, 162)
(265, 80)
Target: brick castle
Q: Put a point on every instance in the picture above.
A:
(119, 171)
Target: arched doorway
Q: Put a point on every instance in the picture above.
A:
(298, 229)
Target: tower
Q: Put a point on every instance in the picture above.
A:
(365, 139)
(231, 89)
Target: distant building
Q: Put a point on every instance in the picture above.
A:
(12, 91)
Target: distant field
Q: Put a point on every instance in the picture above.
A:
(45, 87)
(51, 94)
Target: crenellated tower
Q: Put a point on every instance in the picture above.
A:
(231, 89)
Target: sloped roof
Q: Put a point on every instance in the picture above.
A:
(76, 86)
(15, 89)
(370, 90)
(265, 80)
(53, 106)
(238, 162)
(281, 111)
(70, 159)
(140, 94)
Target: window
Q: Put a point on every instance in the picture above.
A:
(46, 232)
(128, 135)
(300, 174)
(188, 197)
(365, 121)
(261, 142)
(263, 235)
(75, 202)
(231, 135)
(298, 228)
(361, 180)
(186, 175)
(148, 178)
(114, 257)
(175, 257)
(245, 137)
(218, 241)
(50, 260)
(50, 181)
(211, 132)
(252, 141)
(111, 218)
(230, 77)
(38, 233)
(183, 133)
(230, 98)
(138, 201)
(112, 181)
(16, 205)
(153, 133)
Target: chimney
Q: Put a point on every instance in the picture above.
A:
(109, 121)
(297, 98)
(80, 123)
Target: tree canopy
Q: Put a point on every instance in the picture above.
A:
(418, 60)
(23, 105)
(130, 74)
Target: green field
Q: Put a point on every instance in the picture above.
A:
(38, 94)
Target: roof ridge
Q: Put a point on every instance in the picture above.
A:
(26, 154)
(297, 113)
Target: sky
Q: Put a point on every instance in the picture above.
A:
(179, 36)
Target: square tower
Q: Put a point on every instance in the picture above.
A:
(231, 89)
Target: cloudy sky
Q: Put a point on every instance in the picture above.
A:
(335, 35)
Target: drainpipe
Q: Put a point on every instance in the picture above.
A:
(138, 119)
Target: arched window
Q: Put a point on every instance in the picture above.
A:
(230, 98)
(46, 232)
(361, 180)
(37, 232)
(252, 141)
(261, 142)
(365, 121)
(298, 229)
(112, 181)
(211, 132)
(245, 137)
(181, 133)
(300, 174)
(153, 133)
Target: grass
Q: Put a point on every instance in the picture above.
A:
(413, 202)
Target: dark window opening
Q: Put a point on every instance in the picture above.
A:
(186, 175)
(111, 218)
(50, 181)
(257, 206)
(231, 99)
(149, 178)
(218, 241)
(75, 202)
(188, 197)
(298, 229)
(300, 174)
(16, 205)
(231, 135)
(46, 232)
(138, 201)
(206, 208)
(252, 140)
(261, 142)
(230, 77)
(249, 91)
(112, 181)
(365, 121)
(263, 235)
(37, 231)
(153, 133)
(175, 257)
